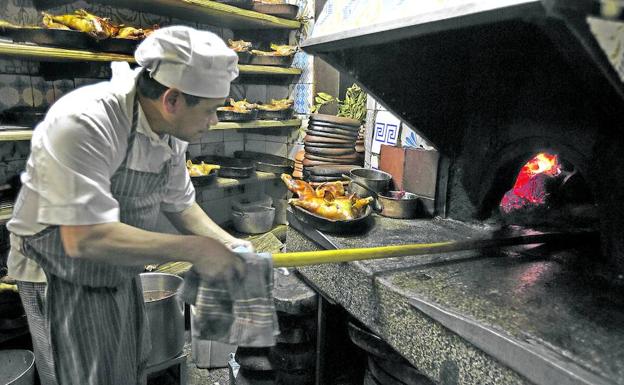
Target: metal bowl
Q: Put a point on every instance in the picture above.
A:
(376, 180)
(17, 367)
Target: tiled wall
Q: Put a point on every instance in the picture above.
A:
(22, 84)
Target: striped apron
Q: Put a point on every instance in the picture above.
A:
(89, 326)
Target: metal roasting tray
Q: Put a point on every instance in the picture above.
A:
(267, 162)
(230, 167)
(62, 38)
(353, 226)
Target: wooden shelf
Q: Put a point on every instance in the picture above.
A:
(40, 53)
(292, 123)
(6, 136)
(5, 214)
(206, 12)
(230, 182)
(13, 135)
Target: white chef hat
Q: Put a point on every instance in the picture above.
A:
(195, 62)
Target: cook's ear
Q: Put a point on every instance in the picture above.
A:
(171, 100)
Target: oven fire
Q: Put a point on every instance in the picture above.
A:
(530, 188)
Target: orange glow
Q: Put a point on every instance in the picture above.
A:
(529, 188)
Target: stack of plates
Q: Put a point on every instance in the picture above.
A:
(330, 141)
(359, 146)
(298, 171)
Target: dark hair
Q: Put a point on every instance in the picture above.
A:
(151, 89)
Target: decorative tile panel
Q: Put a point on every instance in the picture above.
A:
(302, 95)
(61, 87)
(42, 92)
(15, 90)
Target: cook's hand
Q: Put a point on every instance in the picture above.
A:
(233, 243)
(221, 263)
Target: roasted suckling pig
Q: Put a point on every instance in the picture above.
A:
(278, 50)
(328, 200)
(98, 27)
(239, 45)
(83, 21)
(241, 106)
(276, 105)
(201, 169)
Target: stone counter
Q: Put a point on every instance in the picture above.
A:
(572, 328)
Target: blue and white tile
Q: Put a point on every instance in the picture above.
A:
(302, 95)
(15, 90)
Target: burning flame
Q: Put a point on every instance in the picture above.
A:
(529, 187)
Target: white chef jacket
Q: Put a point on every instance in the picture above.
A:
(76, 150)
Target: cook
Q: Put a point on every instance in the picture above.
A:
(104, 162)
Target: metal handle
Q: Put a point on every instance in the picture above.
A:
(378, 205)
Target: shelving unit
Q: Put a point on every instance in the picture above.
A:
(52, 54)
(6, 136)
(292, 123)
(206, 12)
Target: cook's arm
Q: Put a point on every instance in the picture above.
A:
(121, 244)
(195, 221)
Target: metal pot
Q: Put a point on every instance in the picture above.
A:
(399, 204)
(254, 220)
(17, 367)
(165, 314)
(392, 204)
(375, 180)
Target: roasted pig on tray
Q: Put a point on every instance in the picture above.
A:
(83, 21)
(241, 106)
(327, 200)
(276, 105)
(239, 45)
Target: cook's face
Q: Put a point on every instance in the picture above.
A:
(192, 121)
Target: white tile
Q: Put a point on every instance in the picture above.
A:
(212, 136)
(276, 138)
(256, 93)
(194, 150)
(212, 148)
(276, 92)
(279, 149)
(230, 147)
(250, 137)
(233, 135)
(255, 145)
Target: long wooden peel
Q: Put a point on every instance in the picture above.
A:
(303, 258)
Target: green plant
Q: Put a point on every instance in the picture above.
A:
(353, 106)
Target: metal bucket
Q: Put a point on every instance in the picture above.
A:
(17, 367)
(399, 204)
(376, 180)
(165, 314)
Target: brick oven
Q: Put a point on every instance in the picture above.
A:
(490, 85)
(491, 89)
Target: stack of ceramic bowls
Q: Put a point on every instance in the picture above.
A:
(359, 146)
(330, 141)
(298, 171)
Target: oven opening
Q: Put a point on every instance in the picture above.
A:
(549, 191)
